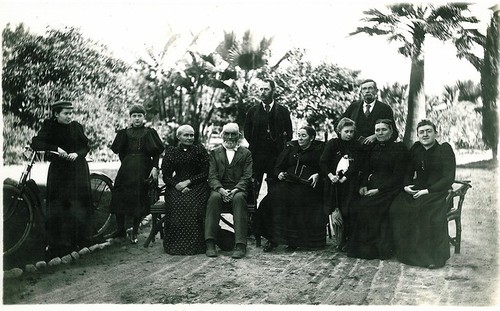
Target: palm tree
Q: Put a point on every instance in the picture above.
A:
(246, 58)
(410, 24)
(490, 83)
(488, 67)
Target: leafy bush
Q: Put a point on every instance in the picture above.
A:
(15, 137)
(458, 124)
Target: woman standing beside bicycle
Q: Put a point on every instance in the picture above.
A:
(69, 205)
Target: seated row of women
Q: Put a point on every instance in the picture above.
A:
(391, 200)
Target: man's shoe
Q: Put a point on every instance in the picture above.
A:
(291, 248)
(211, 251)
(133, 238)
(269, 247)
(116, 234)
(240, 251)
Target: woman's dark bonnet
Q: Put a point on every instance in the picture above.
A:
(137, 109)
(57, 107)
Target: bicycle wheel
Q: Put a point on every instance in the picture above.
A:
(18, 218)
(101, 187)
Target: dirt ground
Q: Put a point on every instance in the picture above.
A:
(131, 274)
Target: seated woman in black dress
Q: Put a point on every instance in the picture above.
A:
(380, 181)
(185, 173)
(292, 213)
(418, 215)
(342, 182)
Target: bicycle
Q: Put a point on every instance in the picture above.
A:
(22, 204)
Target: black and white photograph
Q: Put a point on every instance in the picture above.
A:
(254, 155)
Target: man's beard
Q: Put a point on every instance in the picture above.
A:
(368, 98)
(230, 144)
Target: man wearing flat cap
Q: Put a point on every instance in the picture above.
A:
(229, 178)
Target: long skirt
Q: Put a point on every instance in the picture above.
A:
(185, 214)
(130, 189)
(293, 215)
(371, 235)
(420, 229)
(69, 206)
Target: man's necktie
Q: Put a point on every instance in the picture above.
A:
(367, 110)
(267, 108)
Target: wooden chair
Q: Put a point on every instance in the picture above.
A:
(158, 218)
(454, 211)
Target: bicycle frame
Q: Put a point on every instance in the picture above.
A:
(28, 185)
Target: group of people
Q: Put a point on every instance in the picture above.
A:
(69, 220)
(391, 201)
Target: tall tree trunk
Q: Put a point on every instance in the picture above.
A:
(179, 113)
(416, 99)
(490, 86)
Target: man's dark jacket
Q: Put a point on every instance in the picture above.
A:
(281, 128)
(366, 126)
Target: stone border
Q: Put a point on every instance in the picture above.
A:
(66, 259)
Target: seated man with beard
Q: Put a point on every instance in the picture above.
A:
(229, 178)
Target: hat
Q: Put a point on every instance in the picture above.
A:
(62, 104)
(137, 109)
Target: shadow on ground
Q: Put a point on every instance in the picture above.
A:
(485, 164)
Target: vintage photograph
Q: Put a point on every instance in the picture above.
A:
(250, 154)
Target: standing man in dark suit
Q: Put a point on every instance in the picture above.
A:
(367, 111)
(229, 178)
(268, 128)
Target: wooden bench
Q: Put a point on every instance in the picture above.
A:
(454, 211)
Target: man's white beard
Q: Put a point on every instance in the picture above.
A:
(230, 144)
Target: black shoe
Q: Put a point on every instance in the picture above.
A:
(90, 241)
(240, 251)
(121, 233)
(53, 251)
(269, 247)
(291, 248)
(342, 248)
(211, 251)
(133, 238)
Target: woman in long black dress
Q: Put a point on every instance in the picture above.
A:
(381, 180)
(418, 215)
(342, 183)
(139, 149)
(293, 212)
(185, 173)
(69, 205)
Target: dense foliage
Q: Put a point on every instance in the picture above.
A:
(63, 65)
(457, 121)
(203, 89)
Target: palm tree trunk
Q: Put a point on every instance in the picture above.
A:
(490, 84)
(416, 99)
(179, 112)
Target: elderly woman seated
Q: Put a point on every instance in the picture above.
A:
(292, 212)
(418, 215)
(185, 172)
